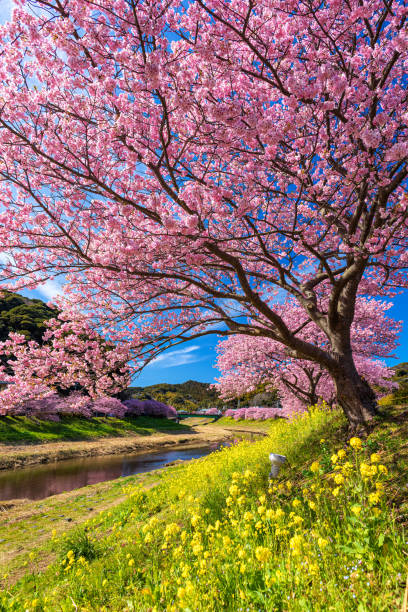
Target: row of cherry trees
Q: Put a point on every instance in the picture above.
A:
(189, 167)
(247, 362)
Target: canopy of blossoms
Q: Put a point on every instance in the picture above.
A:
(185, 164)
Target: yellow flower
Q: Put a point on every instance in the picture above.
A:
(131, 562)
(334, 458)
(322, 441)
(312, 505)
(367, 471)
(233, 490)
(295, 544)
(315, 467)
(356, 509)
(279, 513)
(262, 554)
(374, 498)
(322, 543)
(296, 503)
(197, 548)
(339, 479)
(375, 458)
(336, 491)
(341, 453)
(382, 469)
(181, 592)
(261, 510)
(248, 516)
(347, 468)
(195, 519)
(298, 520)
(355, 443)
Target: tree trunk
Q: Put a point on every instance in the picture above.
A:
(354, 394)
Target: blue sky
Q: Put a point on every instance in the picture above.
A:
(194, 360)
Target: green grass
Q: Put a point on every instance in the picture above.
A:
(245, 424)
(26, 430)
(328, 535)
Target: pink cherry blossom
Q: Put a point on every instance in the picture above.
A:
(189, 166)
(245, 362)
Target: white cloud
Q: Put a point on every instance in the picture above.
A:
(50, 289)
(177, 358)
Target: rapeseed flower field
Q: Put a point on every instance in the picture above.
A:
(216, 535)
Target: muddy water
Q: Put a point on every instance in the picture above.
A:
(42, 481)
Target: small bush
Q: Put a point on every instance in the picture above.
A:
(79, 544)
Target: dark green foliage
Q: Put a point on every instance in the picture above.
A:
(190, 395)
(400, 395)
(193, 395)
(23, 315)
(79, 544)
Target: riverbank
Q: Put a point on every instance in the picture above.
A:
(211, 534)
(29, 530)
(188, 436)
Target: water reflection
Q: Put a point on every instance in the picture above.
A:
(42, 481)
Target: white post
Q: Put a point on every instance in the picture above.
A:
(276, 463)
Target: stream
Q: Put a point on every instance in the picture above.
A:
(40, 481)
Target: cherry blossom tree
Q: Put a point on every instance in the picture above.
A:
(187, 166)
(72, 357)
(245, 362)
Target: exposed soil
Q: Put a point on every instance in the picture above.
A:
(15, 456)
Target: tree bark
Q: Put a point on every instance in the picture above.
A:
(354, 394)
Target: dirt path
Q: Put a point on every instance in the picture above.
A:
(15, 456)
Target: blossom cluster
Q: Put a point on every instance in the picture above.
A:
(72, 357)
(136, 407)
(258, 413)
(53, 406)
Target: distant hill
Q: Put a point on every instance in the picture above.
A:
(23, 315)
(190, 395)
(193, 395)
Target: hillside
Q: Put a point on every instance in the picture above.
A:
(23, 315)
(193, 395)
(190, 395)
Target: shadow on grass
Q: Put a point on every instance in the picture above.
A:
(24, 430)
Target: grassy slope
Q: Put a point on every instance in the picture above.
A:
(25, 430)
(231, 423)
(340, 554)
